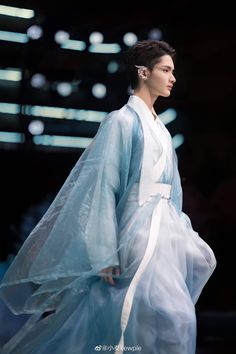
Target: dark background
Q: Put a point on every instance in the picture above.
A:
(203, 34)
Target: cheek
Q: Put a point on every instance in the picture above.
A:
(162, 78)
(158, 79)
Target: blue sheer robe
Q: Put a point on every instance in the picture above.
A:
(102, 217)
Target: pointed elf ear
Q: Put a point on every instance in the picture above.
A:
(141, 71)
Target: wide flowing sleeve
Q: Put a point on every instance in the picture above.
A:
(77, 236)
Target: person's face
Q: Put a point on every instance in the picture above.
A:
(160, 79)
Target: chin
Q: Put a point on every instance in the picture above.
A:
(165, 94)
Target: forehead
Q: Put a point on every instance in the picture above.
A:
(166, 60)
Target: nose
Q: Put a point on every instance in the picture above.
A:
(173, 79)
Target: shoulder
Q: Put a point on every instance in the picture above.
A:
(123, 117)
(122, 124)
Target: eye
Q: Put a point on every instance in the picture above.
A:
(165, 70)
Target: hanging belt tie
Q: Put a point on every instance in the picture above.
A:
(164, 190)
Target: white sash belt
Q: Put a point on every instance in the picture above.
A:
(164, 190)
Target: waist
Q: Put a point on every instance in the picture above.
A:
(163, 189)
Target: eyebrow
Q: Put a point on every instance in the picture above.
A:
(168, 67)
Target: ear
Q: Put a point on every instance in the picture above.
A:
(145, 73)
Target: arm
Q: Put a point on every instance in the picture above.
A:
(112, 150)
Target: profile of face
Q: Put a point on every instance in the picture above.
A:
(160, 80)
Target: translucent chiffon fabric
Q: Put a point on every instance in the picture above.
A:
(102, 217)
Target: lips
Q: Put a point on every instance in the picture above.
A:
(169, 87)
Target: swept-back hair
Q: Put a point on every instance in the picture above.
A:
(146, 53)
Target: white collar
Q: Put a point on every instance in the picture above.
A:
(147, 121)
(141, 107)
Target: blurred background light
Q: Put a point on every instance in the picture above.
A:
(13, 37)
(99, 90)
(130, 39)
(168, 115)
(16, 12)
(9, 137)
(178, 139)
(36, 127)
(66, 141)
(55, 112)
(64, 88)
(35, 32)
(112, 67)
(130, 90)
(38, 80)
(96, 37)
(9, 108)
(61, 37)
(10, 74)
(74, 45)
(105, 48)
(155, 33)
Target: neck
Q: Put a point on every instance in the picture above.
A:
(147, 97)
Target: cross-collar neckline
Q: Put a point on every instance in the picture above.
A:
(151, 113)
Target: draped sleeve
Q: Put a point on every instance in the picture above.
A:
(77, 236)
(200, 257)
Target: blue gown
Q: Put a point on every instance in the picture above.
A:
(121, 205)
